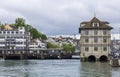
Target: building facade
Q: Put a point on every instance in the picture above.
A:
(36, 46)
(14, 40)
(95, 40)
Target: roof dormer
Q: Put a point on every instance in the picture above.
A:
(95, 24)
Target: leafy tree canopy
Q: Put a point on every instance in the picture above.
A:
(20, 22)
(51, 45)
(69, 48)
(33, 31)
(1, 25)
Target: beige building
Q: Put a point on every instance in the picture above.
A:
(95, 40)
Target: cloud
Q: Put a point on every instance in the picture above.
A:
(54, 17)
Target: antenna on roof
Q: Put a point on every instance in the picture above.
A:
(94, 14)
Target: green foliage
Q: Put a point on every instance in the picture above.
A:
(28, 27)
(33, 32)
(19, 22)
(50, 45)
(43, 36)
(69, 48)
(2, 27)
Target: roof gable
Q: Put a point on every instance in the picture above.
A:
(95, 23)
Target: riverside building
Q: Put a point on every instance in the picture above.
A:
(36, 45)
(14, 40)
(95, 40)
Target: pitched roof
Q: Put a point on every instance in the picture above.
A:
(8, 27)
(100, 24)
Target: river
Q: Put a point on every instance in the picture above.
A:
(56, 68)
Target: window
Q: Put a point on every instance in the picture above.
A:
(16, 32)
(20, 27)
(95, 24)
(95, 48)
(12, 32)
(95, 39)
(104, 40)
(104, 32)
(8, 37)
(21, 32)
(8, 32)
(86, 40)
(104, 48)
(95, 32)
(86, 49)
(86, 32)
(4, 32)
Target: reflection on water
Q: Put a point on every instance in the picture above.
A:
(96, 69)
(56, 68)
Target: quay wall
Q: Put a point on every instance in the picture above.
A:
(37, 56)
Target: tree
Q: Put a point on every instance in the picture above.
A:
(43, 36)
(2, 26)
(20, 22)
(51, 45)
(69, 48)
(33, 32)
(28, 27)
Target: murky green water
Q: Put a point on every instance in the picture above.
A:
(56, 68)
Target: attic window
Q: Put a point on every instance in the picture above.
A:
(95, 24)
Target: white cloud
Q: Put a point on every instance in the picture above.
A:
(60, 16)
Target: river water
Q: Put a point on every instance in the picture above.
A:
(56, 68)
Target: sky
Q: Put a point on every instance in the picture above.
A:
(55, 17)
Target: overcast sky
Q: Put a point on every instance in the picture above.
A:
(54, 17)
